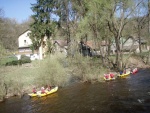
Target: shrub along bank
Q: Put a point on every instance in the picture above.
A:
(24, 59)
(12, 60)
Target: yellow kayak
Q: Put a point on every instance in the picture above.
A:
(109, 78)
(39, 94)
(32, 94)
(128, 73)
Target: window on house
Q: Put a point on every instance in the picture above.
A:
(25, 42)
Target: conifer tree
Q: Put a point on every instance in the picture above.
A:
(43, 24)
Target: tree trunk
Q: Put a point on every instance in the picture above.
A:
(139, 37)
(109, 47)
(148, 57)
(118, 54)
(41, 48)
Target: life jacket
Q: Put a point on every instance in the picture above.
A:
(34, 90)
(124, 71)
(106, 76)
(42, 91)
(111, 75)
(121, 72)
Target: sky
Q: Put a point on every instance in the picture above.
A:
(20, 10)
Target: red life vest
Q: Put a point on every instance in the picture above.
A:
(42, 91)
(112, 75)
(34, 90)
(107, 76)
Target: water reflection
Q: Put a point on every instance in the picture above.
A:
(125, 95)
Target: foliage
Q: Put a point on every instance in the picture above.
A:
(7, 59)
(3, 53)
(19, 79)
(25, 59)
(10, 29)
(2, 89)
(94, 20)
(52, 72)
(42, 25)
(14, 61)
(9, 33)
(87, 69)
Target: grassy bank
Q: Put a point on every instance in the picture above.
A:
(54, 70)
(87, 69)
(16, 80)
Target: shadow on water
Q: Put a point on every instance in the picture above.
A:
(126, 95)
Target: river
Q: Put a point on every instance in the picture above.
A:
(125, 95)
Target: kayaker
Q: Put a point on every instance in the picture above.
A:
(111, 75)
(106, 76)
(48, 88)
(121, 72)
(134, 70)
(34, 90)
(124, 72)
(42, 90)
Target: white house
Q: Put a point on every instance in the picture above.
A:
(24, 43)
(24, 40)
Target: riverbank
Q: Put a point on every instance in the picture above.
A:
(19, 80)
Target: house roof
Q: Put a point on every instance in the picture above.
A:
(95, 45)
(128, 48)
(143, 41)
(61, 43)
(23, 32)
(136, 38)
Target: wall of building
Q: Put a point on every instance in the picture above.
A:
(24, 39)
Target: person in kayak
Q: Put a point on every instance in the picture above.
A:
(43, 90)
(124, 72)
(111, 75)
(135, 69)
(34, 90)
(106, 76)
(48, 88)
(121, 72)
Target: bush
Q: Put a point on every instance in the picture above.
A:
(86, 69)
(13, 61)
(10, 60)
(25, 59)
(2, 89)
(52, 72)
